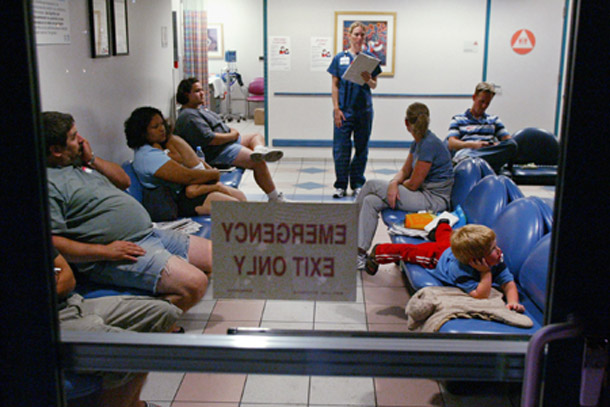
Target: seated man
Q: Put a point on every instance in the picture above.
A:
(221, 144)
(477, 134)
(111, 314)
(107, 232)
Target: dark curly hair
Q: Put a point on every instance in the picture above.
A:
(136, 126)
(184, 88)
(55, 126)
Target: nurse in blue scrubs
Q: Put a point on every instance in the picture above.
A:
(353, 113)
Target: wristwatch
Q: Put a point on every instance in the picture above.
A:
(92, 160)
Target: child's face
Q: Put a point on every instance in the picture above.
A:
(495, 255)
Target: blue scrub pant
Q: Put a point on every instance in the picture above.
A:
(348, 170)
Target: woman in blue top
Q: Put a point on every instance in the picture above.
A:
(423, 183)
(352, 113)
(164, 159)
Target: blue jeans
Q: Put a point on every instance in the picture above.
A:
(143, 274)
(496, 155)
(348, 170)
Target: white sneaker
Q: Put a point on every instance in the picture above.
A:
(262, 153)
(280, 198)
(361, 262)
(356, 192)
(339, 193)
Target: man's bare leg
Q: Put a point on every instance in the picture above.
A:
(182, 283)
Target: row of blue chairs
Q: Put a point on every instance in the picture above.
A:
(523, 227)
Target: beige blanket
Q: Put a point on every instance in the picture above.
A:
(431, 307)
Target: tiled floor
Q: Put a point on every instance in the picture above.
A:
(379, 307)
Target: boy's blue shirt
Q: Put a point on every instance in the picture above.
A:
(451, 272)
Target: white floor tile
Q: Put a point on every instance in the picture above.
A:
(352, 391)
(161, 386)
(288, 311)
(340, 313)
(277, 390)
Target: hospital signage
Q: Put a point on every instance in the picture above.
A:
(299, 251)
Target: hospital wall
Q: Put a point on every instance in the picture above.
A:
(102, 92)
(433, 64)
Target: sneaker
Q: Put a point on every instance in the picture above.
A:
(262, 153)
(356, 191)
(361, 262)
(280, 198)
(339, 193)
(258, 154)
(371, 265)
(273, 155)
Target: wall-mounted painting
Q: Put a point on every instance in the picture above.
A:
(120, 32)
(215, 41)
(99, 24)
(380, 35)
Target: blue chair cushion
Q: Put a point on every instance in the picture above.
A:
(533, 273)
(485, 201)
(480, 326)
(136, 188)
(539, 175)
(537, 146)
(466, 175)
(80, 385)
(393, 216)
(518, 228)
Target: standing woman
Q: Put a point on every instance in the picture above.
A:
(423, 183)
(352, 113)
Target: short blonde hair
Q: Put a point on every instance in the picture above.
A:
(472, 242)
(356, 24)
(485, 87)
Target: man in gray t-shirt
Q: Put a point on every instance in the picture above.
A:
(106, 232)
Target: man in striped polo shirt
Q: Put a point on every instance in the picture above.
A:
(475, 133)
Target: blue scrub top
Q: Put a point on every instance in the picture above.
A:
(351, 95)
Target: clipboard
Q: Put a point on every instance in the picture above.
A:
(361, 63)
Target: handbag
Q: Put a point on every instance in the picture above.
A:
(160, 204)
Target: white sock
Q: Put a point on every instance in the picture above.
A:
(257, 148)
(272, 195)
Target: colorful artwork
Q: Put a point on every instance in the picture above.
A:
(380, 35)
(376, 38)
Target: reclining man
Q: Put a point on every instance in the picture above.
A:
(221, 144)
(475, 133)
(108, 233)
(115, 313)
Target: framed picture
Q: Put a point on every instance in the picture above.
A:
(215, 41)
(99, 23)
(380, 35)
(120, 32)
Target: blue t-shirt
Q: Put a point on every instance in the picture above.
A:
(451, 272)
(467, 128)
(146, 161)
(351, 95)
(432, 149)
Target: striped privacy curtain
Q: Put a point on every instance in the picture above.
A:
(195, 44)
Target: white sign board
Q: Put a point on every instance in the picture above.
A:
(279, 53)
(304, 251)
(52, 21)
(321, 53)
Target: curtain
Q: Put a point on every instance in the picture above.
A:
(195, 44)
